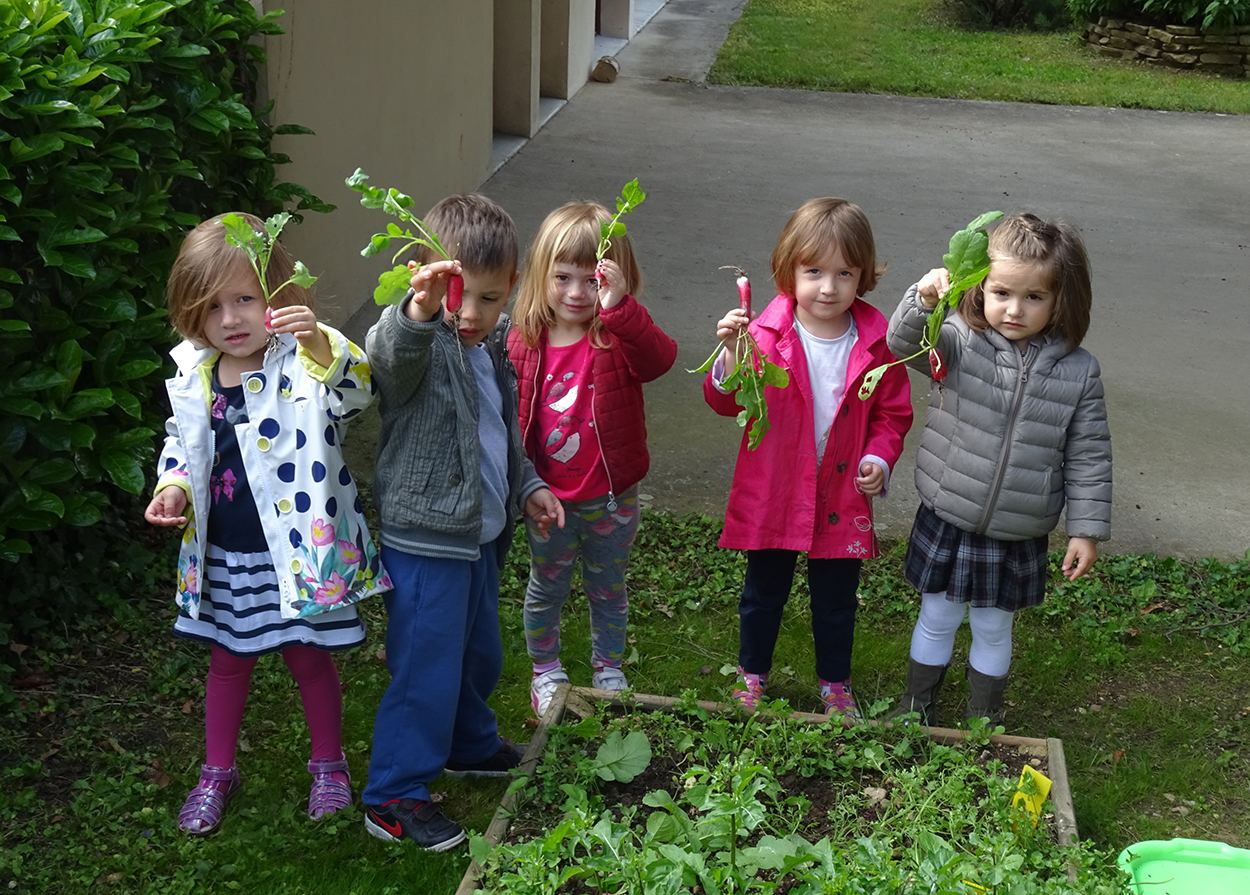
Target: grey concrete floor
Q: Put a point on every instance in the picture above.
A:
(1162, 199)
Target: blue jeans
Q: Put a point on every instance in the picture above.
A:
(445, 657)
(833, 584)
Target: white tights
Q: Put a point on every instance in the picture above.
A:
(933, 640)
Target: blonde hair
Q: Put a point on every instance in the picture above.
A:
(569, 235)
(206, 263)
(476, 231)
(816, 229)
(1056, 247)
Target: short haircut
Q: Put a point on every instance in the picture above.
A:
(818, 228)
(206, 262)
(1057, 248)
(569, 235)
(476, 231)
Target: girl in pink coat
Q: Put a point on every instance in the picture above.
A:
(808, 485)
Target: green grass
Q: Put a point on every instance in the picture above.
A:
(908, 47)
(1151, 706)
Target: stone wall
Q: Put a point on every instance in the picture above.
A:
(1225, 53)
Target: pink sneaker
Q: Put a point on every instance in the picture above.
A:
(750, 688)
(837, 698)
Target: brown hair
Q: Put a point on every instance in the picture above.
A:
(1057, 248)
(206, 262)
(476, 231)
(569, 235)
(818, 227)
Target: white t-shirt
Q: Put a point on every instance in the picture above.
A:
(827, 360)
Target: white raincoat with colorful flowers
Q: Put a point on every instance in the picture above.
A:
(306, 499)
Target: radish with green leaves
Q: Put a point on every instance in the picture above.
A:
(393, 285)
(968, 263)
(752, 372)
(631, 197)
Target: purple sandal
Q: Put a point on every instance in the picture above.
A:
(328, 794)
(202, 812)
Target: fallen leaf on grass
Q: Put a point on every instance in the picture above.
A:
(1117, 755)
(663, 607)
(18, 648)
(116, 746)
(1151, 608)
(437, 796)
(31, 680)
(186, 707)
(705, 670)
(380, 655)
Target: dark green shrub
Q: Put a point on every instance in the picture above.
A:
(122, 123)
(1043, 15)
(1212, 14)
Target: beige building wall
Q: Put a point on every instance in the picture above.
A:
(399, 88)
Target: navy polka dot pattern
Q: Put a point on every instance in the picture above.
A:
(332, 507)
(286, 472)
(170, 463)
(319, 472)
(330, 435)
(300, 439)
(303, 502)
(345, 477)
(296, 538)
(269, 428)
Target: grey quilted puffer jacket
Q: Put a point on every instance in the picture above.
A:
(1009, 436)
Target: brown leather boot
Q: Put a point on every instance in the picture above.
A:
(923, 684)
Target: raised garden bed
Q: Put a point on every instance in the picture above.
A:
(653, 794)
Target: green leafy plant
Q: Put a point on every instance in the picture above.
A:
(631, 197)
(393, 284)
(968, 263)
(258, 246)
(752, 373)
(124, 124)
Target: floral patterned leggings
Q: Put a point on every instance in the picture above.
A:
(604, 538)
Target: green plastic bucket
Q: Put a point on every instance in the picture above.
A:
(1186, 867)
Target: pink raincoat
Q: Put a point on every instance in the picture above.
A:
(780, 498)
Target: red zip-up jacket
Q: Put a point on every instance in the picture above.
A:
(637, 351)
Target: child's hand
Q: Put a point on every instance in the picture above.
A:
(933, 286)
(1081, 556)
(430, 285)
(727, 329)
(612, 287)
(544, 508)
(871, 480)
(302, 322)
(167, 506)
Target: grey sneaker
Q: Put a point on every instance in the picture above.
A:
(543, 689)
(609, 678)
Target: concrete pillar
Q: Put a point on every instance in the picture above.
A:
(568, 43)
(518, 32)
(616, 18)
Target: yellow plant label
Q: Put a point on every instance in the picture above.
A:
(1032, 791)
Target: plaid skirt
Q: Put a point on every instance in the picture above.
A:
(972, 568)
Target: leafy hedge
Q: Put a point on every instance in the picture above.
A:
(122, 123)
(1209, 14)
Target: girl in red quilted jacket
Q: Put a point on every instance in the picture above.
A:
(582, 348)
(808, 486)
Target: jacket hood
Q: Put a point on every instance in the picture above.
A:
(187, 355)
(780, 317)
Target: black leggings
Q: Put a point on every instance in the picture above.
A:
(833, 583)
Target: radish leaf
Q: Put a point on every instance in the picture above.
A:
(258, 246)
(631, 197)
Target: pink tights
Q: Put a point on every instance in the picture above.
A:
(229, 678)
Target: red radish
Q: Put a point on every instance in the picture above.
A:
(455, 292)
(268, 319)
(937, 364)
(744, 288)
(600, 275)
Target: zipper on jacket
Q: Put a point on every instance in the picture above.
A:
(1001, 471)
(603, 458)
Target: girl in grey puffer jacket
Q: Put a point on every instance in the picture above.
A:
(1016, 427)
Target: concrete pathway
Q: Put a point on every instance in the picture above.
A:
(1163, 201)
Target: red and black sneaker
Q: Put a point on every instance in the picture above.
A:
(422, 822)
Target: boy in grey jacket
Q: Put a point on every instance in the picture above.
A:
(452, 477)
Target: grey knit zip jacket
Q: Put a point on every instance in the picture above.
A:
(428, 481)
(1009, 437)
